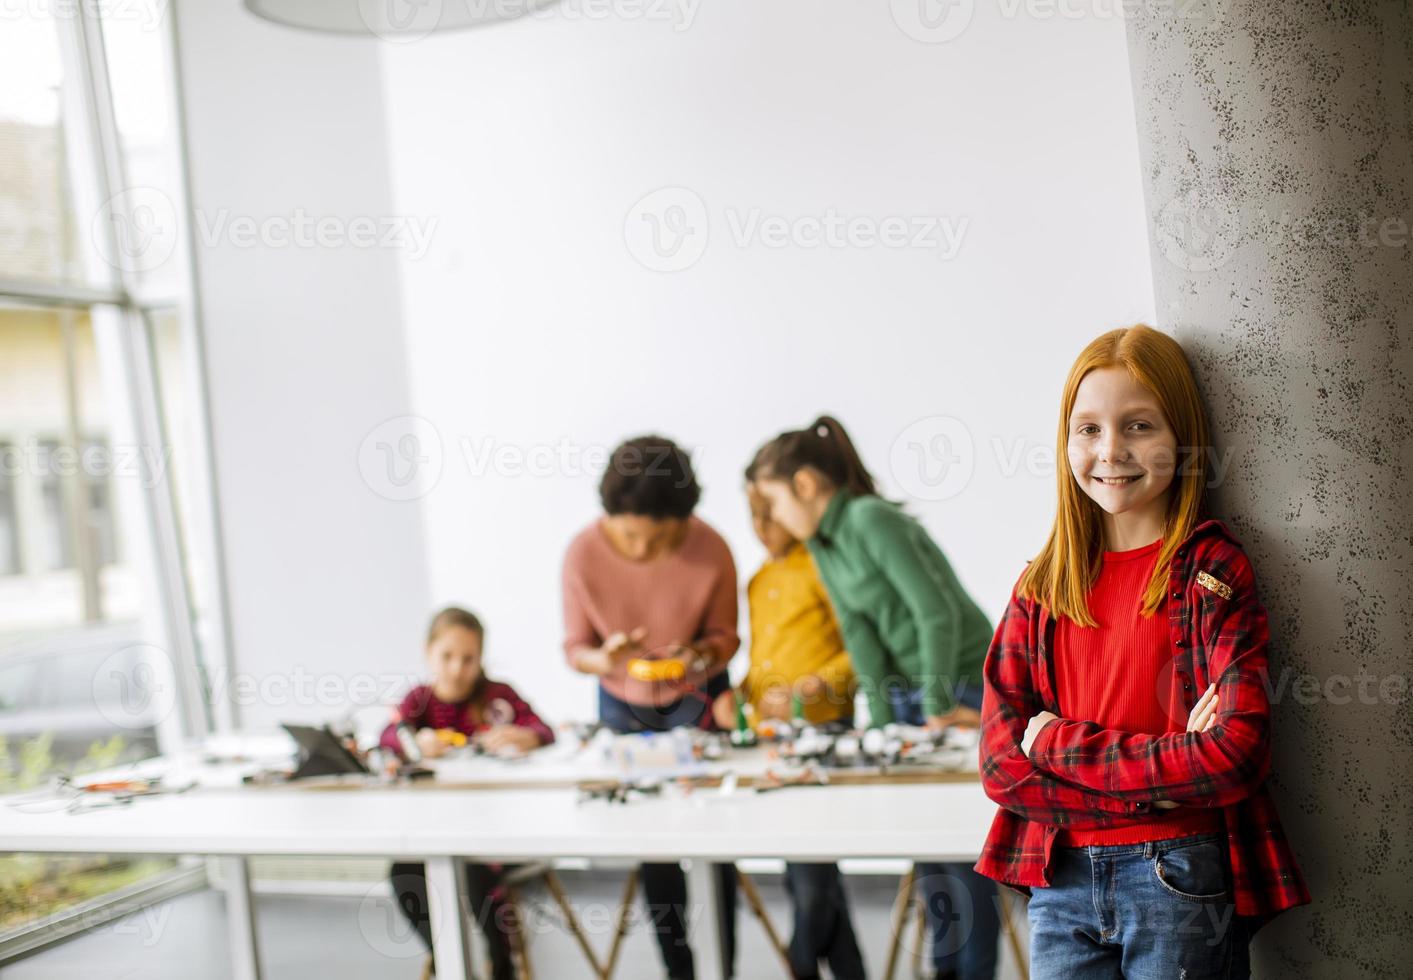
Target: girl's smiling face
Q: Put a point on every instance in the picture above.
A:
(455, 658)
(1122, 450)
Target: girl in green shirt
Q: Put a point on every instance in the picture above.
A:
(914, 633)
(917, 639)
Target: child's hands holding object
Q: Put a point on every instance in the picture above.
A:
(431, 744)
(508, 738)
(620, 647)
(777, 701)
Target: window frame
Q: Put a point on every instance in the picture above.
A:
(122, 313)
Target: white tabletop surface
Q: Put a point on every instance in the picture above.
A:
(930, 820)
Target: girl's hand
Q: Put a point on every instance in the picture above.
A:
(615, 651)
(811, 688)
(1033, 729)
(775, 702)
(500, 738)
(962, 716)
(430, 743)
(723, 710)
(1201, 718)
(1204, 712)
(685, 654)
(621, 647)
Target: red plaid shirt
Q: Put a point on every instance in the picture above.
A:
(1081, 776)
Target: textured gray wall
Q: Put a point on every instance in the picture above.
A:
(1277, 144)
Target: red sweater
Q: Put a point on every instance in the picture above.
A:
(1118, 675)
(494, 704)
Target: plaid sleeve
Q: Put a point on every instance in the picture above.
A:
(1220, 766)
(1008, 777)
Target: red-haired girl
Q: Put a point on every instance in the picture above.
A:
(1125, 722)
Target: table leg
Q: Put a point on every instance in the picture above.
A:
(240, 919)
(447, 906)
(705, 928)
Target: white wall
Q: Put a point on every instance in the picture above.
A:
(532, 324)
(327, 580)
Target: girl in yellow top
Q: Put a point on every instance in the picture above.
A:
(796, 651)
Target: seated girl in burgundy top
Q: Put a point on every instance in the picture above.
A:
(462, 699)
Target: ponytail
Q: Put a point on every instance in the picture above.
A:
(825, 447)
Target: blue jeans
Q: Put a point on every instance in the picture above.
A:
(953, 891)
(1141, 911)
(664, 885)
(694, 709)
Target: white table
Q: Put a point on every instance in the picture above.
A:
(443, 827)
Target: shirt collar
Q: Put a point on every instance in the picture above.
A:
(833, 517)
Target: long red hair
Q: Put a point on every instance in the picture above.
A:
(1062, 574)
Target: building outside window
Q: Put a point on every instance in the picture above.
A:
(109, 571)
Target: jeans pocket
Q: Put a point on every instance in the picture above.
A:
(1194, 872)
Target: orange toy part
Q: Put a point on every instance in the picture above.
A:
(656, 670)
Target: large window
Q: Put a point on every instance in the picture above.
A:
(109, 576)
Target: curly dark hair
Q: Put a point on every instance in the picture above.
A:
(650, 476)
